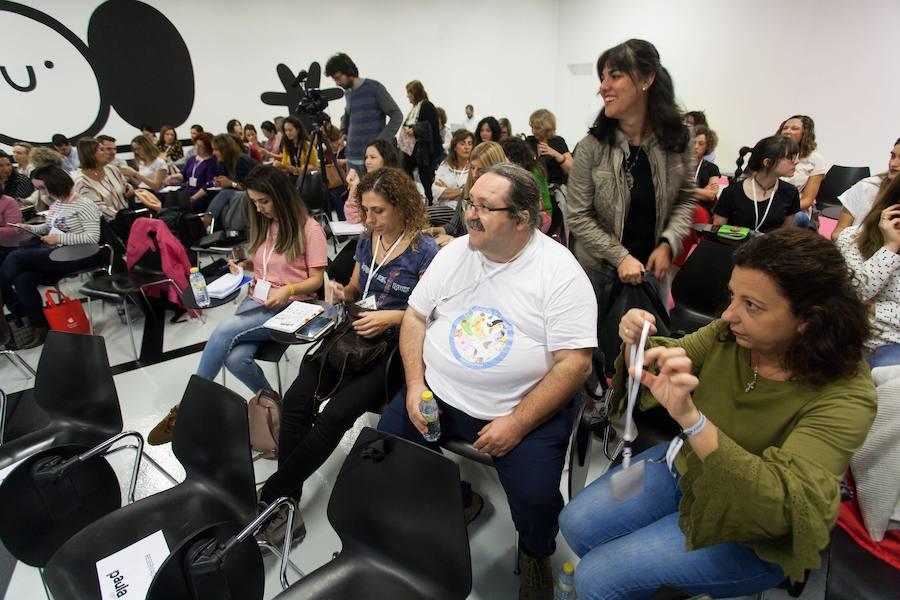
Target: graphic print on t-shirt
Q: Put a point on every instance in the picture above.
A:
(480, 337)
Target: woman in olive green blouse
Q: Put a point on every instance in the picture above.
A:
(773, 400)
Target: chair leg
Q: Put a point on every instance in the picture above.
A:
(19, 363)
(130, 329)
(278, 374)
(91, 315)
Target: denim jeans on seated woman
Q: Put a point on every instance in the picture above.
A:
(234, 343)
(630, 548)
(884, 356)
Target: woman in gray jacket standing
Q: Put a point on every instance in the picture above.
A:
(631, 186)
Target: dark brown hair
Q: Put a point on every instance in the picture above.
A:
(712, 140)
(290, 211)
(459, 135)
(812, 275)
(417, 90)
(87, 152)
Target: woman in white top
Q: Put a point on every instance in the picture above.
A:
(151, 168)
(811, 169)
(99, 182)
(451, 176)
(859, 198)
(871, 251)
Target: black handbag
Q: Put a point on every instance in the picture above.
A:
(347, 352)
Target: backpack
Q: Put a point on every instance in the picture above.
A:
(184, 225)
(264, 414)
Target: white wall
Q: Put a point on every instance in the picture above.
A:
(235, 47)
(749, 65)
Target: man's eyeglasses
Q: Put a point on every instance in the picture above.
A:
(482, 209)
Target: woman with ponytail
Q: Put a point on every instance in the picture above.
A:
(631, 187)
(759, 199)
(871, 250)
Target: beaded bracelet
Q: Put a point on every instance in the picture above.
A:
(697, 427)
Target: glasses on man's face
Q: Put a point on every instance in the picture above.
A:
(481, 209)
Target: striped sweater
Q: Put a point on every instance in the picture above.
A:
(77, 219)
(364, 117)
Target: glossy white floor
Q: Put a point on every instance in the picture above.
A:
(146, 394)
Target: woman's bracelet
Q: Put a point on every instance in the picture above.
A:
(697, 427)
(291, 289)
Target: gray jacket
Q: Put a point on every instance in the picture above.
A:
(598, 198)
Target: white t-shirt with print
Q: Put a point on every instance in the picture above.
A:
(858, 200)
(493, 327)
(814, 164)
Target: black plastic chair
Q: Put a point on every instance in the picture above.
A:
(75, 393)
(838, 180)
(700, 288)
(397, 508)
(212, 441)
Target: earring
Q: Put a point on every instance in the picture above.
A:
(644, 89)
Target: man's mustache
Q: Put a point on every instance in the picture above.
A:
(476, 225)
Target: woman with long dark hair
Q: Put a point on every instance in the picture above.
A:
(871, 250)
(760, 199)
(288, 258)
(488, 130)
(772, 401)
(858, 200)
(631, 187)
(294, 148)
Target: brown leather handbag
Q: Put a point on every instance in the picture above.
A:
(264, 414)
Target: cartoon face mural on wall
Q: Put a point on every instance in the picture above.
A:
(113, 66)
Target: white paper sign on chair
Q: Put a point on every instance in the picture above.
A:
(129, 572)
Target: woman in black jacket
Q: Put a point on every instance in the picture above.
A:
(420, 138)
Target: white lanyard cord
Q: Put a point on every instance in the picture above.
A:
(266, 256)
(634, 386)
(759, 223)
(697, 174)
(372, 268)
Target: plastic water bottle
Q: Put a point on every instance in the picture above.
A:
(198, 284)
(429, 409)
(565, 583)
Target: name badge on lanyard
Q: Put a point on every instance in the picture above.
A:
(368, 302)
(262, 287)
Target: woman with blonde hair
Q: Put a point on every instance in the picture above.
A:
(151, 171)
(810, 170)
(551, 149)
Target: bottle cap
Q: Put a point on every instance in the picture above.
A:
(427, 395)
(195, 270)
(568, 568)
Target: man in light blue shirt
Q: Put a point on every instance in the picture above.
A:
(69, 155)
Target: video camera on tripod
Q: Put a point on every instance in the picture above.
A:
(308, 102)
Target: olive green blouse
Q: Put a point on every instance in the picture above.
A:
(773, 483)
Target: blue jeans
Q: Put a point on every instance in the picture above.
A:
(884, 356)
(234, 343)
(630, 548)
(529, 473)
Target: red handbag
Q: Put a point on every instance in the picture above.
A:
(65, 314)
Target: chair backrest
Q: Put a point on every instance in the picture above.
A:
(702, 282)
(400, 502)
(74, 382)
(837, 181)
(211, 440)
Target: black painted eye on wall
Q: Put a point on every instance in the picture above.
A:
(122, 34)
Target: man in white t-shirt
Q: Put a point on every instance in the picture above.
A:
(500, 329)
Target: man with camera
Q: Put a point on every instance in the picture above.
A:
(501, 329)
(368, 105)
